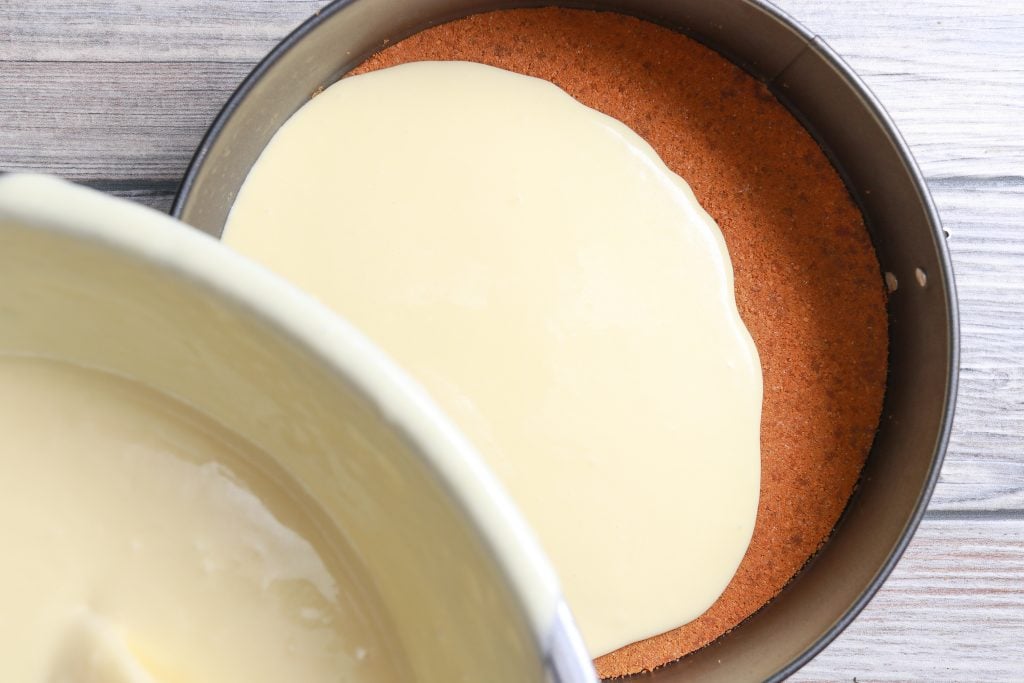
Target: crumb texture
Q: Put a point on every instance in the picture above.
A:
(808, 283)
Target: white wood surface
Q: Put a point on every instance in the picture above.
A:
(117, 93)
(952, 610)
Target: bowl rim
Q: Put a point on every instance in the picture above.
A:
(812, 42)
(81, 215)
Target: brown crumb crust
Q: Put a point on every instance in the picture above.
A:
(807, 280)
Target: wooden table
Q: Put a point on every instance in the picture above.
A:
(116, 95)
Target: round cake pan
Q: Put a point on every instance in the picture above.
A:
(852, 128)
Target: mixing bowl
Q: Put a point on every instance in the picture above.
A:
(846, 120)
(106, 284)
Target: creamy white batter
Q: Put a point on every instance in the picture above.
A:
(144, 544)
(560, 293)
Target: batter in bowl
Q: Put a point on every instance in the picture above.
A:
(146, 544)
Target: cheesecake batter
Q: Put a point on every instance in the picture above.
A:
(144, 544)
(560, 293)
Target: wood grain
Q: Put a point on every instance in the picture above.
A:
(100, 120)
(953, 610)
(164, 30)
(117, 93)
(984, 468)
(935, 69)
(950, 72)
